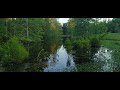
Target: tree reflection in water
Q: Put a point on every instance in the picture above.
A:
(52, 56)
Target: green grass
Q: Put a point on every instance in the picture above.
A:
(111, 44)
(112, 36)
(111, 40)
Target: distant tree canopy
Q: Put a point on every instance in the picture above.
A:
(114, 25)
(83, 27)
(29, 28)
(65, 30)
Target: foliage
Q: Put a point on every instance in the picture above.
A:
(25, 31)
(14, 52)
(52, 29)
(89, 67)
(20, 36)
(95, 41)
(82, 44)
(97, 28)
(78, 27)
(114, 25)
(68, 42)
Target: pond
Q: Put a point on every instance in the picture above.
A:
(60, 61)
(54, 56)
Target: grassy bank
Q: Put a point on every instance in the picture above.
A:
(112, 36)
(111, 40)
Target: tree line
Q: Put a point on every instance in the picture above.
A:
(34, 29)
(82, 27)
(16, 32)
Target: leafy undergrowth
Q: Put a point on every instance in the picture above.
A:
(13, 52)
(89, 67)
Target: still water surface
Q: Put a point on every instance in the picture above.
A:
(63, 61)
(60, 61)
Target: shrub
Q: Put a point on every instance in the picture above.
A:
(82, 44)
(89, 67)
(1, 52)
(14, 52)
(95, 42)
(68, 42)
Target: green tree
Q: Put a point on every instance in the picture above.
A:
(114, 25)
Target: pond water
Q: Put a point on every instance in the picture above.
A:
(60, 61)
(105, 55)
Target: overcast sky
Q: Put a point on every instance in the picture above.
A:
(63, 20)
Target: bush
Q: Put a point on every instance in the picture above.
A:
(95, 42)
(68, 42)
(82, 44)
(1, 52)
(89, 67)
(14, 52)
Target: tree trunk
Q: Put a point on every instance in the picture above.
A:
(6, 26)
(27, 28)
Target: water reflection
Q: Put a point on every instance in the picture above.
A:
(68, 61)
(62, 61)
(105, 55)
(82, 56)
(53, 56)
